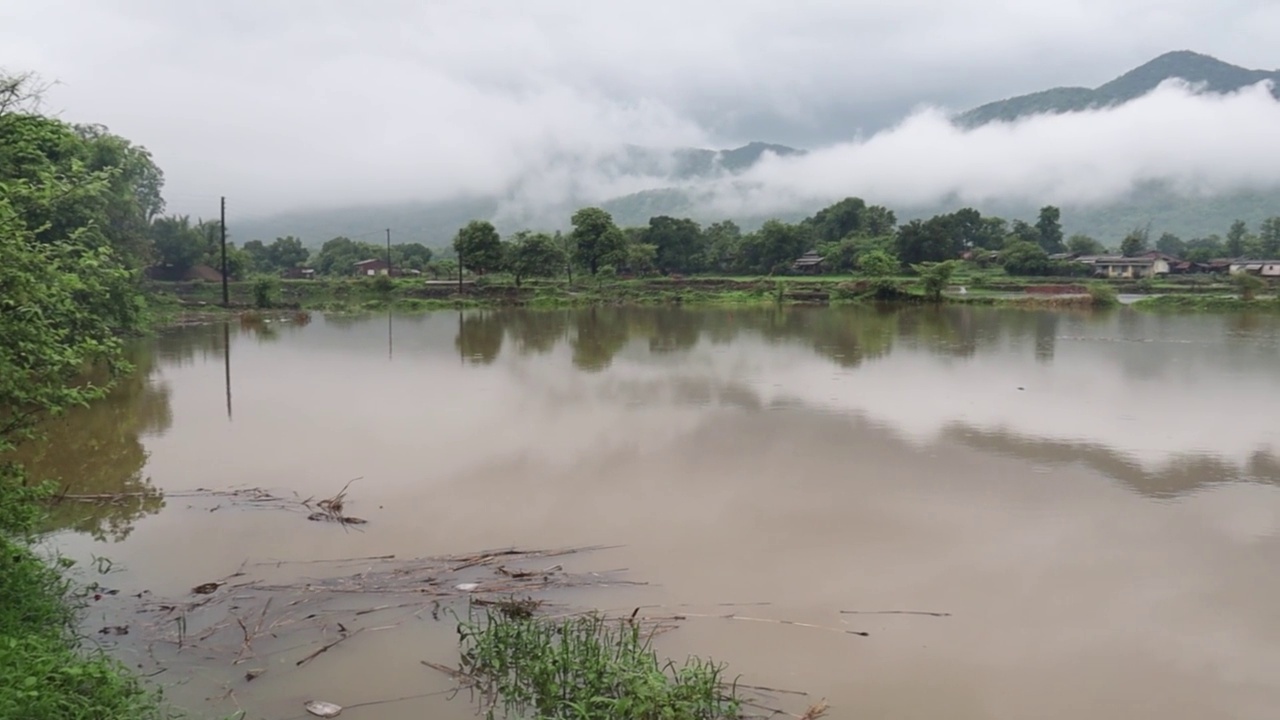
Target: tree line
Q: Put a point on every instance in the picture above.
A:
(850, 235)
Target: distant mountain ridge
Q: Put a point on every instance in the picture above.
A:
(1213, 74)
(434, 223)
(678, 172)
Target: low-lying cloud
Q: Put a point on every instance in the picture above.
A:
(396, 100)
(1199, 144)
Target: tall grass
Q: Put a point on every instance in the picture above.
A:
(586, 667)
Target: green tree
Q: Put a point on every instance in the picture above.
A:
(133, 190)
(1135, 243)
(1236, 238)
(936, 277)
(339, 256)
(773, 247)
(641, 257)
(850, 217)
(286, 252)
(256, 256)
(679, 242)
(1022, 231)
(479, 247)
(533, 255)
(1080, 244)
(1171, 244)
(993, 233)
(840, 256)
(569, 250)
(1269, 237)
(411, 255)
(723, 242)
(1049, 229)
(1024, 258)
(1205, 249)
(179, 245)
(597, 240)
(932, 240)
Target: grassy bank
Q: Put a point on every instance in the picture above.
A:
(46, 670)
(181, 303)
(1207, 303)
(172, 302)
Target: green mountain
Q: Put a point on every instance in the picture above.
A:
(1212, 74)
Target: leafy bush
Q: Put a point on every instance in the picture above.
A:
(878, 263)
(266, 291)
(1248, 285)
(1103, 295)
(936, 276)
(382, 284)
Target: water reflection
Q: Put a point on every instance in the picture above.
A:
(1182, 473)
(848, 335)
(1186, 351)
(98, 451)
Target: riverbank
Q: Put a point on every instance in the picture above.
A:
(1207, 303)
(47, 672)
(198, 302)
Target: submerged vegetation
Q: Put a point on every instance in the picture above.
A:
(585, 666)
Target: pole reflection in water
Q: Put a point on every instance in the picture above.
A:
(226, 361)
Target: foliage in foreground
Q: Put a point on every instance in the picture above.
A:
(70, 223)
(44, 674)
(586, 667)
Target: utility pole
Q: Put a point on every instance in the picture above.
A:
(388, 252)
(459, 280)
(222, 225)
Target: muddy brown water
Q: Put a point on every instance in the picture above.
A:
(1092, 498)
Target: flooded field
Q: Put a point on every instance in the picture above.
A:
(1088, 502)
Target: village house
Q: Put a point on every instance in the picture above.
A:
(808, 264)
(371, 267)
(298, 273)
(1128, 267)
(1265, 268)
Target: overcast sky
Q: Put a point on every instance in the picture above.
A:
(283, 104)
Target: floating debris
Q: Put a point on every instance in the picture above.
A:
(319, 708)
(326, 608)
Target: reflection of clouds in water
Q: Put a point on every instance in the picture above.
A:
(1140, 398)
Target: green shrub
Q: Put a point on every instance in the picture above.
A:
(381, 284)
(266, 291)
(586, 666)
(1103, 295)
(1248, 285)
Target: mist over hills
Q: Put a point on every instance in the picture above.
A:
(635, 183)
(1215, 76)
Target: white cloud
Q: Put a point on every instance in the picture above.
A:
(1202, 144)
(281, 105)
